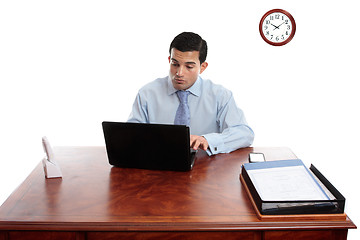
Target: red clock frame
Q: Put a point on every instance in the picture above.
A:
(292, 34)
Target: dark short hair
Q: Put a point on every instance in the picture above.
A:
(189, 41)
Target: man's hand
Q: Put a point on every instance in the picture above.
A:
(197, 142)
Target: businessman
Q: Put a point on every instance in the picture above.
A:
(216, 124)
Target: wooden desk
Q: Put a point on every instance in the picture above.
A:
(94, 200)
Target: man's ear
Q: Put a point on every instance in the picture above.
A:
(203, 67)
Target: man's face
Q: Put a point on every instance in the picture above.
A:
(185, 68)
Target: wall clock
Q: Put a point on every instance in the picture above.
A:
(277, 27)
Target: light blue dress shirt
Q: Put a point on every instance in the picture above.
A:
(213, 113)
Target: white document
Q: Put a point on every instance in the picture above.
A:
(292, 183)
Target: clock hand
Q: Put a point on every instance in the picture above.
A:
(274, 26)
(280, 24)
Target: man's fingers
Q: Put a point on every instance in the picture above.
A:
(198, 142)
(205, 145)
(195, 144)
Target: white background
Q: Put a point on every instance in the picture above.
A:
(65, 66)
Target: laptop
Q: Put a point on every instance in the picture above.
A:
(148, 146)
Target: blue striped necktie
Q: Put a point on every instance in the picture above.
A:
(182, 116)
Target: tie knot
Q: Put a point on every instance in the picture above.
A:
(183, 96)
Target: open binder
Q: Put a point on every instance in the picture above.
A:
(287, 187)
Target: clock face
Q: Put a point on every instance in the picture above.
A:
(277, 27)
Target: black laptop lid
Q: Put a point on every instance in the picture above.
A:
(148, 146)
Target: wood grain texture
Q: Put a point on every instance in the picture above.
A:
(313, 235)
(174, 235)
(45, 235)
(95, 197)
(3, 235)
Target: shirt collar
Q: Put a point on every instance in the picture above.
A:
(195, 89)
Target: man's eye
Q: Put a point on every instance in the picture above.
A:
(189, 67)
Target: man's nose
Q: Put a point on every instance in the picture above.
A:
(180, 70)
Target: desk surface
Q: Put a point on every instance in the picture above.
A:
(94, 196)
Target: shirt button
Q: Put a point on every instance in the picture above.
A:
(215, 148)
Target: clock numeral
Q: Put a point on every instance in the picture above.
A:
(265, 27)
(267, 33)
(277, 16)
(271, 17)
(286, 21)
(288, 27)
(267, 22)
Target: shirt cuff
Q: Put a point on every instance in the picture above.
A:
(216, 143)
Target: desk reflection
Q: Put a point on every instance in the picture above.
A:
(209, 188)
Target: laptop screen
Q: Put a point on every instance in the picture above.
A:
(148, 146)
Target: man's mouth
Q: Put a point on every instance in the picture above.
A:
(179, 80)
